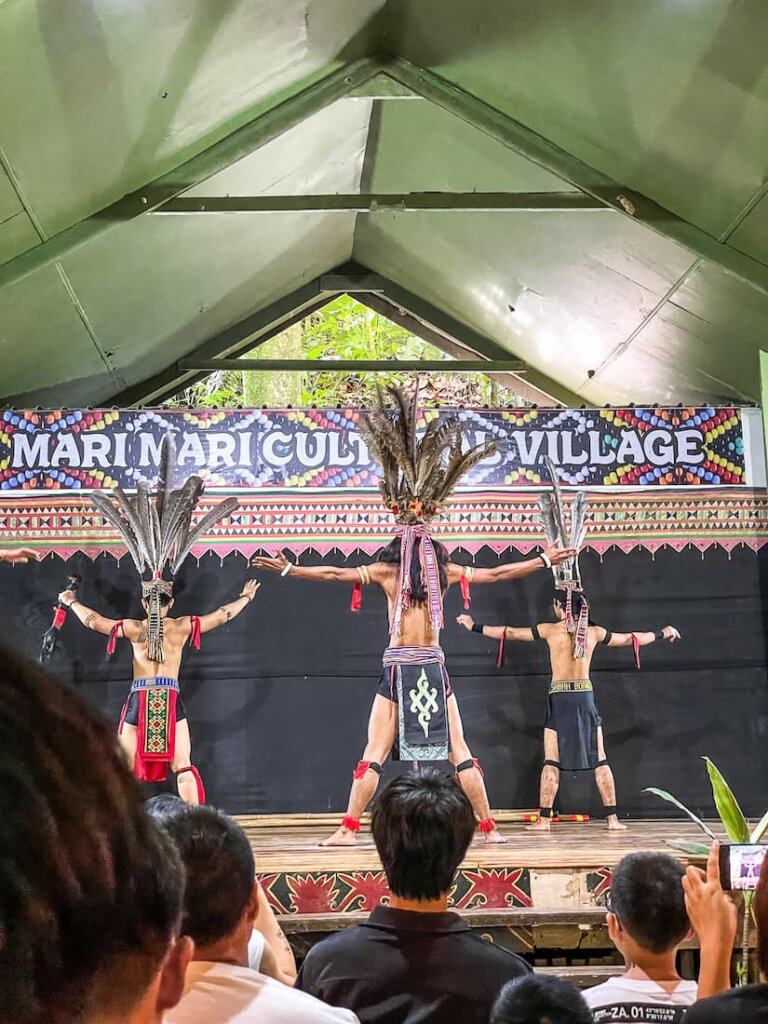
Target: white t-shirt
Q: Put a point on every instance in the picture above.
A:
(228, 994)
(640, 1000)
(256, 946)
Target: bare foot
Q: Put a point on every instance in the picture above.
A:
(542, 825)
(614, 825)
(341, 837)
(494, 838)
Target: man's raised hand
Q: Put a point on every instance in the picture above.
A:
(711, 913)
(275, 564)
(466, 621)
(67, 597)
(18, 556)
(671, 634)
(557, 555)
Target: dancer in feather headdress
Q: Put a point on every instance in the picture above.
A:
(573, 732)
(154, 732)
(414, 703)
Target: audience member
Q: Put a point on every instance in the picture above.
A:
(268, 949)
(221, 902)
(745, 1005)
(647, 921)
(90, 889)
(413, 960)
(539, 1000)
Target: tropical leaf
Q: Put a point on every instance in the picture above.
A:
(727, 806)
(688, 846)
(664, 795)
(760, 829)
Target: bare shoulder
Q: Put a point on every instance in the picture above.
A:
(546, 629)
(178, 627)
(380, 572)
(134, 630)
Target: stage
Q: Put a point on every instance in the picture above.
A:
(539, 894)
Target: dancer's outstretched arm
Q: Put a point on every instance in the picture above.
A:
(324, 573)
(643, 639)
(94, 620)
(18, 556)
(227, 612)
(510, 570)
(524, 633)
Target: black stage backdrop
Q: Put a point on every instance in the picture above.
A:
(278, 700)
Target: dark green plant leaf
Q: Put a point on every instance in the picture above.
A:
(662, 793)
(727, 806)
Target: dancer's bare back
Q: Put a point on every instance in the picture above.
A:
(176, 633)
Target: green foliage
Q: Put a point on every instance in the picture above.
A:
(728, 809)
(343, 329)
(673, 800)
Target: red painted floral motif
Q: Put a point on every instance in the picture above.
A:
(491, 888)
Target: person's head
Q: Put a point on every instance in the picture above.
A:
(90, 889)
(166, 603)
(221, 895)
(647, 905)
(761, 917)
(391, 555)
(534, 999)
(422, 825)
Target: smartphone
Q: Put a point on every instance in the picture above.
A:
(740, 865)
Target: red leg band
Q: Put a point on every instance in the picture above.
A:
(487, 825)
(198, 780)
(351, 824)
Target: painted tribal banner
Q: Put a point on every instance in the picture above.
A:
(322, 448)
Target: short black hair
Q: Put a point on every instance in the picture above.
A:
(391, 555)
(534, 999)
(422, 825)
(219, 867)
(90, 889)
(647, 897)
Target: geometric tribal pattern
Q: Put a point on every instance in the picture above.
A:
(344, 892)
(355, 520)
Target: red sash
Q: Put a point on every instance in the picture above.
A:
(156, 740)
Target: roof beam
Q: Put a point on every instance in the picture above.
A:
(385, 307)
(260, 130)
(534, 147)
(243, 336)
(406, 202)
(355, 365)
(479, 343)
(425, 320)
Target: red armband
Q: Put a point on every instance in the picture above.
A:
(357, 597)
(636, 649)
(196, 632)
(113, 637)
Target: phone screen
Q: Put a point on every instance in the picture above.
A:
(740, 865)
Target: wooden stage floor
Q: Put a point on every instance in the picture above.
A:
(566, 872)
(291, 843)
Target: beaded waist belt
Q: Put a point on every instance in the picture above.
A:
(161, 683)
(570, 686)
(413, 656)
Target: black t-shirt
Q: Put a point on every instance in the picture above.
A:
(748, 1005)
(403, 966)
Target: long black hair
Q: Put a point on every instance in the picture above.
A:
(561, 600)
(391, 555)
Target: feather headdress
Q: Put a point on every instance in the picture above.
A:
(418, 475)
(561, 532)
(159, 532)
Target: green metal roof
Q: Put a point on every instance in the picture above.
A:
(635, 268)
